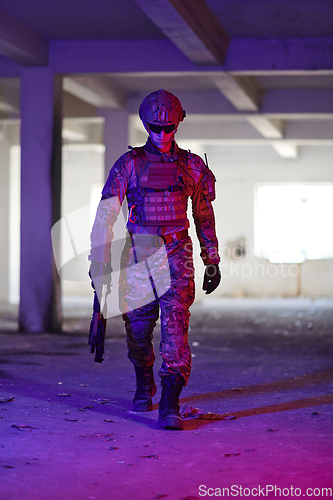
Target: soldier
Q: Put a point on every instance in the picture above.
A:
(157, 180)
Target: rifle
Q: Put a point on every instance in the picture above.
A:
(97, 331)
(98, 322)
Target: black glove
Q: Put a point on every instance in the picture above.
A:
(100, 273)
(212, 278)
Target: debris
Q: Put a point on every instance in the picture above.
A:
(85, 408)
(109, 420)
(63, 395)
(71, 419)
(7, 400)
(8, 466)
(216, 416)
(114, 448)
(231, 454)
(237, 389)
(23, 426)
(272, 430)
(190, 412)
(316, 413)
(101, 401)
(84, 385)
(196, 413)
(150, 456)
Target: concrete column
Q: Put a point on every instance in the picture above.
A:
(4, 219)
(40, 199)
(115, 136)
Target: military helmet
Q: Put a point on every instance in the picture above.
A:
(161, 107)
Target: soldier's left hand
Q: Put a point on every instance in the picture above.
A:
(212, 278)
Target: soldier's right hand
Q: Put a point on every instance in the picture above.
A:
(100, 273)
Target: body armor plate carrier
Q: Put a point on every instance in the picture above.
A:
(158, 197)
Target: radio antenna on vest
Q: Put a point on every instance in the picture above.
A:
(206, 160)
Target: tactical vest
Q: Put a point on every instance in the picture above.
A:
(158, 197)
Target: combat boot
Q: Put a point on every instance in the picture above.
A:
(145, 388)
(169, 417)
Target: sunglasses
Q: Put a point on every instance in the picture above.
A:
(157, 129)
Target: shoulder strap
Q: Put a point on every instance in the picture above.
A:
(138, 154)
(139, 151)
(183, 154)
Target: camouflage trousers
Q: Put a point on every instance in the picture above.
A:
(168, 291)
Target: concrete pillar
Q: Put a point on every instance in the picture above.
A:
(4, 218)
(40, 199)
(115, 136)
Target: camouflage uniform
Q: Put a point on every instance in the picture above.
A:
(196, 181)
(157, 180)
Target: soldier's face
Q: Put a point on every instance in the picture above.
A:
(162, 139)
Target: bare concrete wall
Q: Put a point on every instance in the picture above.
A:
(81, 169)
(238, 170)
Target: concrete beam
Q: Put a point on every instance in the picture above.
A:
(253, 55)
(5, 107)
(297, 101)
(74, 133)
(306, 129)
(276, 104)
(191, 26)
(244, 56)
(20, 43)
(76, 108)
(83, 130)
(9, 95)
(271, 129)
(9, 68)
(242, 92)
(255, 142)
(300, 132)
(285, 149)
(96, 90)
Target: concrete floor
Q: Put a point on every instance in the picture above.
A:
(68, 432)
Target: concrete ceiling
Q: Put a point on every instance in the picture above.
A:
(264, 66)
(83, 19)
(125, 20)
